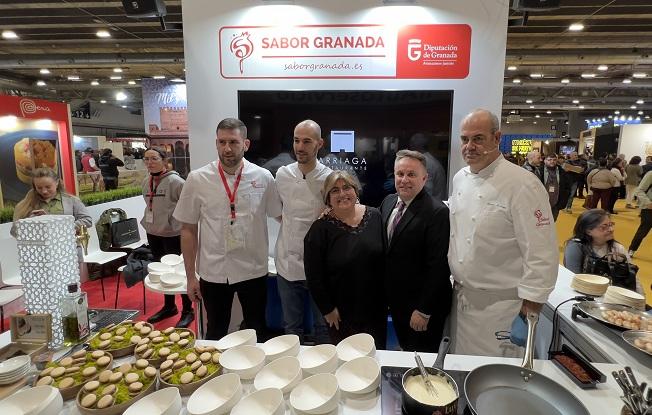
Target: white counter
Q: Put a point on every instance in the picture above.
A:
(603, 400)
(596, 341)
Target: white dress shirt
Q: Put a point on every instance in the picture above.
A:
(302, 203)
(204, 201)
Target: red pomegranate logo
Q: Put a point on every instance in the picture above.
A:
(242, 48)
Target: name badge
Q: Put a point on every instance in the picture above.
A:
(234, 236)
(149, 216)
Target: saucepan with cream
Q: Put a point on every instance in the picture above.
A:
(418, 400)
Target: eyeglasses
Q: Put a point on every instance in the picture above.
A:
(606, 226)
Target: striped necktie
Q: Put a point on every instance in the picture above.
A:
(397, 219)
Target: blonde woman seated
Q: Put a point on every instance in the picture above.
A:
(48, 197)
(343, 258)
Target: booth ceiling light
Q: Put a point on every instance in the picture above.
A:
(132, 82)
(576, 101)
(120, 96)
(94, 83)
(616, 112)
(633, 107)
(123, 106)
(576, 27)
(44, 71)
(640, 113)
(531, 107)
(627, 81)
(117, 70)
(516, 81)
(102, 101)
(40, 83)
(158, 77)
(9, 34)
(528, 101)
(639, 75)
(588, 75)
(103, 34)
(581, 107)
(512, 68)
(565, 81)
(640, 102)
(73, 77)
(116, 77)
(534, 122)
(603, 67)
(647, 117)
(178, 80)
(537, 116)
(548, 112)
(536, 75)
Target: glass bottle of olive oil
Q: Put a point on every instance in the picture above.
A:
(74, 312)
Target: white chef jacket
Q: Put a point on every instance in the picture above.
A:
(302, 203)
(204, 201)
(503, 248)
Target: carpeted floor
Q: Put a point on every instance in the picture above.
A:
(627, 222)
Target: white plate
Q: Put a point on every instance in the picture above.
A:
(620, 292)
(166, 401)
(171, 280)
(158, 268)
(17, 373)
(11, 366)
(171, 260)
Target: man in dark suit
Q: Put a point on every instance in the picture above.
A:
(417, 277)
(557, 181)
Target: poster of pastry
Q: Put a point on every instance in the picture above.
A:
(25, 150)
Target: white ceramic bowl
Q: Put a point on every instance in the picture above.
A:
(358, 345)
(171, 260)
(263, 402)
(319, 394)
(154, 278)
(166, 401)
(237, 338)
(217, 396)
(158, 268)
(319, 359)
(39, 400)
(180, 269)
(281, 346)
(283, 374)
(244, 360)
(360, 375)
(172, 280)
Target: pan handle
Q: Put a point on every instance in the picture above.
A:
(441, 353)
(528, 359)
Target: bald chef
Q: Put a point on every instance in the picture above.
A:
(503, 244)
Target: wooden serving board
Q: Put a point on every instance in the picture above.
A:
(6, 390)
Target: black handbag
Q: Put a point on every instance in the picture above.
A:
(613, 266)
(124, 232)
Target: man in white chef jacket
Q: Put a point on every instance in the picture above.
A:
(298, 192)
(223, 211)
(503, 250)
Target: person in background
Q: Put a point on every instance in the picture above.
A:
(600, 181)
(557, 182)
(223, 211)
(648, 165)
(129, 160)
(593, 235)
(161, 190)
(533, 161)
(575, 177)
(633, 176)
(48, 197)
(298, 201)
(644, 195)
(344, 260)
(581, 181)
(109, 167)
(503, 243)
(417, 277)
(618, 170)
(89, 166)
(436, 181)
(281, 159)
(78, 161)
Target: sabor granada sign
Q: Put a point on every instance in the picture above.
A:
(346, 51)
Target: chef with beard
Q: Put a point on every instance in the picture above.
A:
(503, 251)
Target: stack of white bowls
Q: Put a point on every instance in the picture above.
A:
(594, 285)
(619, 295)
(172, 267)
(14, 369)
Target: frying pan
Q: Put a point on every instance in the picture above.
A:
(499, 389)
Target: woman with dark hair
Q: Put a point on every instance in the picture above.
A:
(593, 245)
(618, 170)
(600, 182)
(161, 190)
(634, 174)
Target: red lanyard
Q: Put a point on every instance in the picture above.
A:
(231, 195)
(152, 188)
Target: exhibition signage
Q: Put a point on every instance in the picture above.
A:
(31, 108)
(346, 51)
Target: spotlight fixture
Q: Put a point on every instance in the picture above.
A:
(102, 101)
(537, 116)
(581, 107)
(588, 75)
(603, 67)
(627, 81)
(117, 70)
(565, 81)
(132, 82)
(103, 34)
(73, 77)
(576, 101)
(531, 107)
(40, 83)
(640, 113)
(177, 80)
(633, 107)
(548, 112)
(94, 83)
(123, 106)
(528, 101)
(639, 75)
(120, 96)
(617, 112)
(9, 34)
(640, 102)
(512, 68)
(516, 81)
(44, 71)
(536, 75)
(647, 117)
(576, 27)
(115, 77)
(158, 77)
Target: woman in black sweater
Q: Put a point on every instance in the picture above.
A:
(343, 260)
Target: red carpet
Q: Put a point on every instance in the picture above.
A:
(130, 299)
